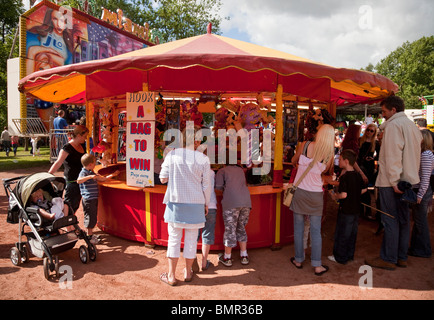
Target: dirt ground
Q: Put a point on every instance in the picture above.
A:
(128, 270)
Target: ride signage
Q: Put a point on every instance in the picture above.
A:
(140, 139)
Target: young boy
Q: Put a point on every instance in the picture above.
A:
(50, 210)
(351, 187)
(87, 179)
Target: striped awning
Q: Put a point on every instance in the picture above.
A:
(207, 63)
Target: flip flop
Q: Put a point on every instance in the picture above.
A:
(208, 264)
(293, 262)
(322, 272)
(164, 277)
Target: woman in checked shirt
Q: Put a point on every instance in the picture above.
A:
(187, 197)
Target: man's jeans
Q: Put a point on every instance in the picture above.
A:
(396, 230)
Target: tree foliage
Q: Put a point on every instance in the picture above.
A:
(411, 66)
(175, 19)
(169, 19)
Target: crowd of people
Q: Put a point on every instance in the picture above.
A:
(395, 157)
(10, 143)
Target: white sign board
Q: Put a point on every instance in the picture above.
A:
(429, 114)
(140, 139)
(140, 106)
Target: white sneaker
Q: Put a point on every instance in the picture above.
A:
(94, 239)
(331, 258)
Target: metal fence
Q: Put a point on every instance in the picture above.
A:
(58, 138)
(30, 126)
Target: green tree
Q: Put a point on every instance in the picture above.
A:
(411, 66)
(179, 19)
(169, 19)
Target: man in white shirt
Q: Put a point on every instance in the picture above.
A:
(399, 161)
(369, 119)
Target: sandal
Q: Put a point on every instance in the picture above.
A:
(164, 277)
(293, 262)
(208, 264)
(322, 272)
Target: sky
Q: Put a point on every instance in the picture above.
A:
(344, 34)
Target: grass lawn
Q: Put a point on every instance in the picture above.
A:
(23, 159)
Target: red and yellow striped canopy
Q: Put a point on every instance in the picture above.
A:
(207, 63)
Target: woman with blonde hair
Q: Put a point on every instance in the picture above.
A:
(420, 243)
(308, 198)
(369, 150)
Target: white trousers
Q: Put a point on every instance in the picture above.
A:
(174, 242)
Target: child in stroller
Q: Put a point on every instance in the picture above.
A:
(50, 210)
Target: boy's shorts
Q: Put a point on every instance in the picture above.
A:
(208, 230)
(90, 208)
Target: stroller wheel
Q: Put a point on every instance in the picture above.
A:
(15, 256)
(92, 252)
(24, 254)
(83, 253)
(56, 266)
(46, 268)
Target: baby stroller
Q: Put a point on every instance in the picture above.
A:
(46, 238)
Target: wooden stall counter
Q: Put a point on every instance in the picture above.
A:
(138, 213)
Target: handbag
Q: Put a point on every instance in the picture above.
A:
(289, 192)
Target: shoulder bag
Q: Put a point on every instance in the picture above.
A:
(289, 192)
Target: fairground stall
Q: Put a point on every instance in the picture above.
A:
(132, 99)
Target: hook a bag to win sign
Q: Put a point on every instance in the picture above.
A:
(140, 139)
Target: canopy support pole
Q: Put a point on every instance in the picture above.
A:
(278, 141)
(278, 165)
(89, 123)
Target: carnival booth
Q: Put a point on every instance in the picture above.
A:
(132, 99)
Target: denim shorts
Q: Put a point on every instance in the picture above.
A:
(90, 208)
(208, 230)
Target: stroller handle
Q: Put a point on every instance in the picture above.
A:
(9, 181)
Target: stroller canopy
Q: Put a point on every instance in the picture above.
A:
(31, 183)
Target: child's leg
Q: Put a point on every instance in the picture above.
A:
(208, 235)
(241, 233)
(46, 215)
(90, 208)
(353, 236)
(343, 237)
(230, 218)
